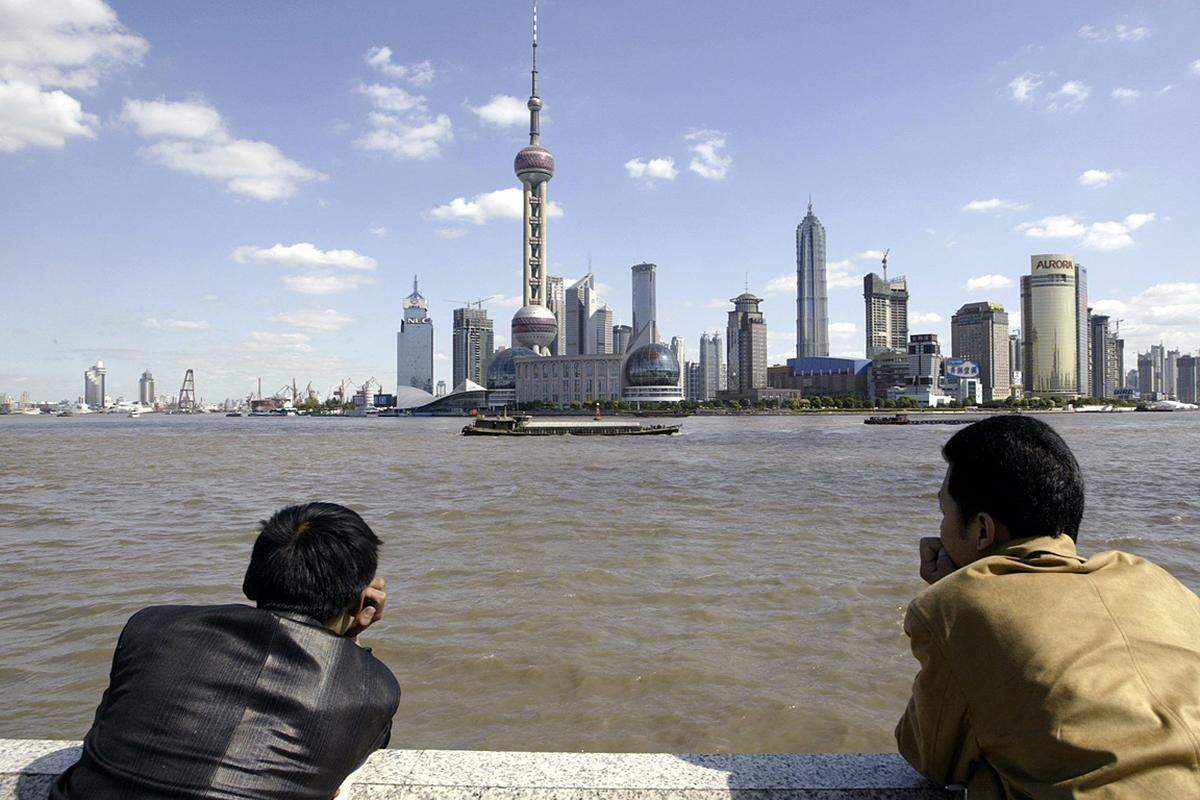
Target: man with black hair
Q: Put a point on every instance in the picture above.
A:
(277, 701)
(1044, 674)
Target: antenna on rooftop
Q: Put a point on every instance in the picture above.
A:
(885, 255)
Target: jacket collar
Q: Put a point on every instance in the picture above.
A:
(1030, 548)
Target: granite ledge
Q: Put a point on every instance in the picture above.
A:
(28, 767)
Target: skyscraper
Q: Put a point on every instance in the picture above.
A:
(588, 320)
(1106, 362)
(93, 385)
(1054, 327)
(146, 389)
(746, 332)
(622, 335)
(534, 325)
(602, 323)
(712, 365)
(1189, 375)
(979, 333)
(1171, 373)
(886, 313)
(556, 301)
(812, 315)
(643, 304)
(679, 350)
(414, 344)
(1016, 358)
(473, 345)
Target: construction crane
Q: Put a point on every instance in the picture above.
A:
(187, 392)
(468, 303)
(1117, 331)
(885, 255)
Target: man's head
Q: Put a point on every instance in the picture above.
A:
(314, 559)
(1007, 477)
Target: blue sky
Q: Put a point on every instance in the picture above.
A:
(248, 189)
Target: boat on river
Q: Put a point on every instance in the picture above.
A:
(904, 419)
(525, 425)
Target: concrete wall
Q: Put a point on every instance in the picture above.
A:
(28, 767)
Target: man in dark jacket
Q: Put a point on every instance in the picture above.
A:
(277, 701)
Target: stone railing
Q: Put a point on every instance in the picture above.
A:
(28, 767)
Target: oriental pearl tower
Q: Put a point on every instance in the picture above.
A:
(534, 325)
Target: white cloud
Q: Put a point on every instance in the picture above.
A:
(1125, 95)
(502, 111)
(871, 255)
(486, 206)
(662, 168)
(324, 282)
(391, 98)
(418, 138)
(842, 274)
(1195, 67)
(175, 324)
(1122, 33)
(194, 139)
(418, 74)
(188, 119)
(1024, 87)
(784, 284)
(1112, 235)
(1097, 178)
(378, 231)
(303, 254)
(262, 342)
(51, 45)
(68, 44)
(30, 117)
(989, 282)
(1070, 97)
(1164, 312)
(314, 320)
(710, 159)
(993, 204)
(924, 318)
(451, 233)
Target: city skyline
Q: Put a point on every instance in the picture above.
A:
(233, 274)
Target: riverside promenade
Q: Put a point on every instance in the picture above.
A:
(28, 768)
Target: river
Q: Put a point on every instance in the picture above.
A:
(737, 588)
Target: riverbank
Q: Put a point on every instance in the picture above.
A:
(29, 767)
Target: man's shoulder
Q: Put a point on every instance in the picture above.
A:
(161, 619)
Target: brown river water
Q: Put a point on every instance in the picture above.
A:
(737, 588)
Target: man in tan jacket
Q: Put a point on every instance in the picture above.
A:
(1044, 674)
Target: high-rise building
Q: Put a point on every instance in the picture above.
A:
(644, 304)
(602, 323)
(93, 385)
(979, 333)
(812, 301)
(473, 345)
(582, 303)
(887, 313)
(414, 344)
(1054, 327)
(712, 366)
(441, 389)
(1106, 360)
(146, 389)
(534, 325)
(556, 301)
(1151, 370)
(679, 350)
(1016, 358)
(622, 335)
(746, 333)
(1189, 377)
(1131, 379)
(1171, 373)
(693, 382)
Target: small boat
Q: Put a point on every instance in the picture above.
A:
(525, 425)
(904, 419)
(134, 413)
(234, 414)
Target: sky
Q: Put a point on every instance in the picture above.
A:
(247, 189)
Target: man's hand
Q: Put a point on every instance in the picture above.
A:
(373, 599)
(935, 561)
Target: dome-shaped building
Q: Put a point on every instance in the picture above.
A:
(502, 372)
(651, 374)
(534, 327)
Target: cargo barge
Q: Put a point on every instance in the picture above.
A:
(524, 425)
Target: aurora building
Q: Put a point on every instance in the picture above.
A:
(1054, 325)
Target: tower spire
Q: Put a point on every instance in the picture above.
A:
(535, 102)
(810, 202)
(415, 285)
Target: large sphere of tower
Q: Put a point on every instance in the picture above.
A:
(534, 164)
(534, 327)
